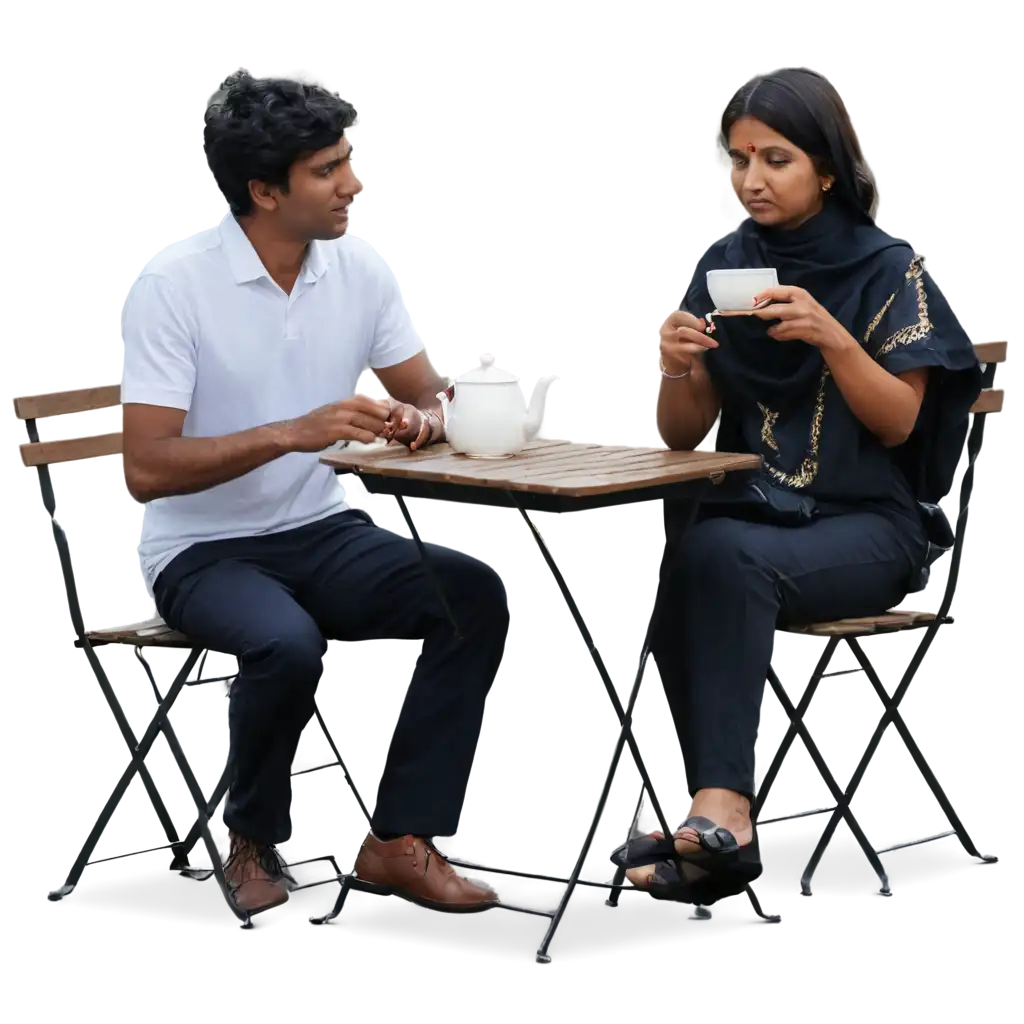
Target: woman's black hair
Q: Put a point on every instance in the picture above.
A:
(805, 108)
(256, 128)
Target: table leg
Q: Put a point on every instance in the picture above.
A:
(429, 565)
(625, 718)
(624, 715)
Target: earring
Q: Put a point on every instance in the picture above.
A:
(826, 186)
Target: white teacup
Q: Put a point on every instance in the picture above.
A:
(734, 290)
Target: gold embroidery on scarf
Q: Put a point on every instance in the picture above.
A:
(916, 331)
(808, 470)
(767, 432)
(878, 318)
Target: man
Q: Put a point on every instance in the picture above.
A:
(243, 346)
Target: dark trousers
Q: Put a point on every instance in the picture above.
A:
(726, 587)
(275, 600)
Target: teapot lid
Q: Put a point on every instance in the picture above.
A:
(484, 371)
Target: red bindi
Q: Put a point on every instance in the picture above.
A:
(751, 148)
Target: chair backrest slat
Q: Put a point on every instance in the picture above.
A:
(60, 450)
(73, 444)
(85, 407)
(992, 350)
(991, 400)
(53, 403)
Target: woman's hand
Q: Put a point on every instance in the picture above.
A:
(803, 318)
(682, 340)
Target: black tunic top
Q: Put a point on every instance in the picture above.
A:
(780, 401)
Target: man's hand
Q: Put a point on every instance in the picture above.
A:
(411, 426)
(356, 419)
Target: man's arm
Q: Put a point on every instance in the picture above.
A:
(413, 382)
(398, 358)
(159, 462)
(157, 386)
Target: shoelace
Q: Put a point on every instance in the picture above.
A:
(430, 850)
(244, 852)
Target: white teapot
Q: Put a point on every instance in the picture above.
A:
(485, 414)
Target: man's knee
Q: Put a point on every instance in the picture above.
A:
(294, 655)
(479, 589)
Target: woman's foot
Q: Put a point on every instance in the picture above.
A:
(724, 807)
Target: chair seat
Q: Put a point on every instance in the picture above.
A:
(889, 622)
(151, 633)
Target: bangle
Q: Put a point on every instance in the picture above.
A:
(672, 376)
(431, 416)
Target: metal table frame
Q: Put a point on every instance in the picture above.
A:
(693, 491)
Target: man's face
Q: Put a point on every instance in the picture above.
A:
(321, 187)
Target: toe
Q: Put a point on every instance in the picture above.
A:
(641, 877)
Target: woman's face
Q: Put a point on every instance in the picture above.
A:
(776, 182)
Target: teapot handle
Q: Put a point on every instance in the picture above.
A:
(531, 423)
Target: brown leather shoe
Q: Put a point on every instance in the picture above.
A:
(412, 867)
(254, 876)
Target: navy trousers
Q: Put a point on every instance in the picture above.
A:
(275, 600)
(728, 585)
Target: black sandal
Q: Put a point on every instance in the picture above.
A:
(714, 841)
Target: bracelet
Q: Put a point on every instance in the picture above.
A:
(431, 416)
(672, 376)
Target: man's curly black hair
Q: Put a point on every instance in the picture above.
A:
(256, 128)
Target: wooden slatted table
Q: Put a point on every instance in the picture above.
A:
(547, 476)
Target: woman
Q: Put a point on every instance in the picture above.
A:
(853, 382)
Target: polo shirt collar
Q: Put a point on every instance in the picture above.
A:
(245, 263)
(317, 260)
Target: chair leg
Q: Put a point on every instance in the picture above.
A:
(620, 873)
(842, 810)
(135, 782)
(171, 760)
(892, 699)
(891, 724)
(915, 752)
(783, 741)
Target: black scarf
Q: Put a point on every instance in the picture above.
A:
(840, 261)
(877, 289)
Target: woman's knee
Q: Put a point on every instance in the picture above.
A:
(718, 552)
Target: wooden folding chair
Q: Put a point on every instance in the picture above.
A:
(851, 631)
(141, 668)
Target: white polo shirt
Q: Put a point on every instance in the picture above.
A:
(207, 330)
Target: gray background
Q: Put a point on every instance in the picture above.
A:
(98, 152)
